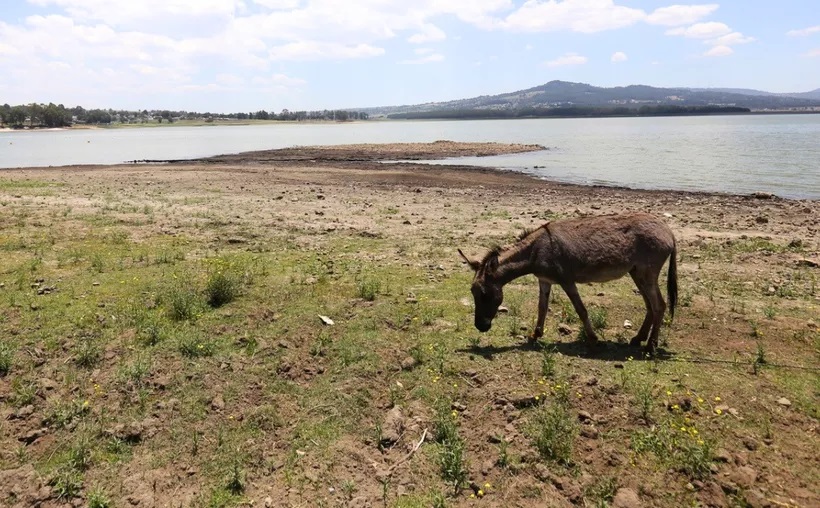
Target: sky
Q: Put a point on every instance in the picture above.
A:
(247, 55)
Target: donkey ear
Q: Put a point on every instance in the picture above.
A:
(475, 265)
(492, 262)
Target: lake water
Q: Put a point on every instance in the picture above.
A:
(738, 154)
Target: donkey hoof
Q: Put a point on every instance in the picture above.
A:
(636, 340)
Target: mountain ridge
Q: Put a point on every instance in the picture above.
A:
(557, 93)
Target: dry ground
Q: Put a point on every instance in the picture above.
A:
(162, 346)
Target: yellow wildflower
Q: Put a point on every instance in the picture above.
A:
(480, 493)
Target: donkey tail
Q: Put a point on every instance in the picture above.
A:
(672, 280)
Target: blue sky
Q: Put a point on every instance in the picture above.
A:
(246, 55)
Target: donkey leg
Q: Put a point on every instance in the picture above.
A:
(643, 288)
(543, 305)
(572, 292)
(658, 310)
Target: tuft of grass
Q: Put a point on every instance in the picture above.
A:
(598, 318)
(368, 288)
(450, 456)
(151, 329)
(183, 303)
(769, 311)
(6, 358)
(235, 483)
(64, 413)
(192, 346)
(677, 445)
(22, 393)
(548, 361)
(97, 498)
(645, 401)
(601, 493)
(66, 482)
(87, 352)
(553, 430)
(225, 282)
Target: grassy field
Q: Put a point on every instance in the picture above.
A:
(163, 344)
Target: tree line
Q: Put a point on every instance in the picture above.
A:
(57, 115)
(567, 111)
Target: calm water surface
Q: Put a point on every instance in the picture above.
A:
(737, 154)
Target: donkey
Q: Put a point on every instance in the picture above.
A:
(572, 251)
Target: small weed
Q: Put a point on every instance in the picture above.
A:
(678, 445)
(87, 352)
(548, 362)
(79, 455)
(98, 499)
(224, 283)
(598, 318)
(368, 288)
(601, 492)
(644, 400)
(451, 447)
(6, 358)
(66, 482)
(62, 414)
(98, 263)
(22, 393)
(686, 299)
(132, 375)
(769, 311)
(183, 302)
(192, 346)
(348, 489)
(553, 431)
(151, 329)
(236, 478)
(756, 332)
(760, 358)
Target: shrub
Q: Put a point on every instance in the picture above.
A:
(553, 431)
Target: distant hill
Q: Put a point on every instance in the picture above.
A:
(557, 94)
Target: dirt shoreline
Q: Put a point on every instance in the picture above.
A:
(111, 386)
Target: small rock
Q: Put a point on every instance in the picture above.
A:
(744, 476)
(760, 219)
(750, 444)
(564, 329)
(408, 363)
(392, 426)
(458, 406)
(32, 435)
(755, 499)
(627, 324)
(722, 455)
(811, 263)
(24, 412)
(584, 416)
(783, 401)
(326, 320)
(589, 432)
(626, 498)
(503, 309)
(667, 215)
(268, 502)
(218, 403)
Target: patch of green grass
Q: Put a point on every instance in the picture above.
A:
(97, 498)
(87, 352)
(598, 318)
(677, 444)
(552, 430)
(451, 447)
(182, 301)
(601, 493)
(66, 482)
(191, 345)
(22, 392)
(368, 288)
(63, 413)
(6, 358)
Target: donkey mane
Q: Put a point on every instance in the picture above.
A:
(497, 250)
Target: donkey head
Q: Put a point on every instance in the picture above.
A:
(486, 289)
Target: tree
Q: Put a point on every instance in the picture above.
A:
(17, 116)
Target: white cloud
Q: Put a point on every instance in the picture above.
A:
(586, 16)
(279, 80)
(429, 33)
(278, 4)
(311, 50)
(618, 56)
(675, 15)
(812, 53)
(708, 30)
(803, 31)
(528, 47)
(731, 39)
(567, 59)
(435, 57)
(719, 51)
